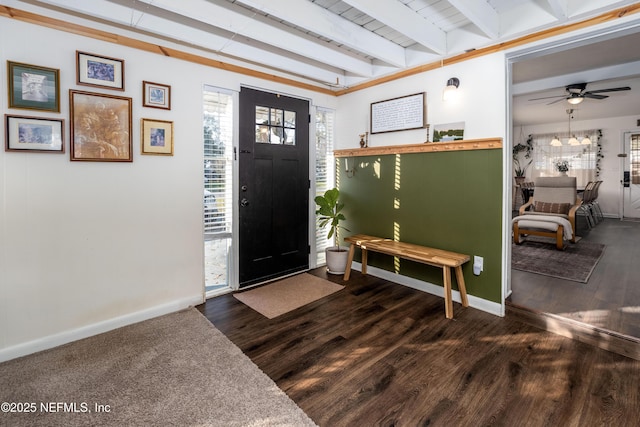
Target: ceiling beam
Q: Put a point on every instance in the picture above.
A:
(405, 21)
(147, 22)
(318, 20)
(239, 22)
(481, 14)
(559, 9)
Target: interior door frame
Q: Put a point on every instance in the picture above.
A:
(625, 139)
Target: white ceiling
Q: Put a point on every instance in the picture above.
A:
(336, 44)
(606, 62)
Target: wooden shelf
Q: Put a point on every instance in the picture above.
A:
(427, 147)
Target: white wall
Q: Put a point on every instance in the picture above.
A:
(610, 192)
(89, 246)
(480, 104)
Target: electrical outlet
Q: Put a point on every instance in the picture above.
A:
(478, 265)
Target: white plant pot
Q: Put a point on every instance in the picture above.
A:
(336, 259)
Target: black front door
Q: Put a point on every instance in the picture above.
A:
(274, 186)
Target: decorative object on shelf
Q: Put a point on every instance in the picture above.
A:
(450, 92)
(562, 166)
(402, 113)
(35, 134)
(33, 88)
(100, 127)
(99, 71)
(330, 212)
(157, 137)
(156, 95)
(448, 132)
(364, 140)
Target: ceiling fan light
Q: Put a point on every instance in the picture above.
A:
(555, 142)
(575, 100)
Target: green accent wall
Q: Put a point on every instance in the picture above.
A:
(449, 200)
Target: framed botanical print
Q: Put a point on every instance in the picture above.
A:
(99, 71)
(32, 87)
(156, 95)
(157, 137)
(100, 127)
(34, 134)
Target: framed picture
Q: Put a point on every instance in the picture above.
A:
(156, 95)
(157, 137)
(99, 71)
(34, 134)
(33, 88)
(448, 132)
(402, 113)
(100, 127)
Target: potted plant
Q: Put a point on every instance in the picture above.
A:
(519, 169)
(330, 211)
(562, 166)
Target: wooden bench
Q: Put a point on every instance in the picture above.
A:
(434, 257)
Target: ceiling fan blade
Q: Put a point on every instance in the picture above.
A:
(592, 96)
(612, 89)
(557, 100)
(547, 97)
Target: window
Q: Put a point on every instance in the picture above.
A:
(218, 113)
(275, 126)
(635, 159)
(582, 159)
(325, 170)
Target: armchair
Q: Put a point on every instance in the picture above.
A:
(551, 212)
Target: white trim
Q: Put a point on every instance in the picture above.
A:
(475, 302)
(96, 328)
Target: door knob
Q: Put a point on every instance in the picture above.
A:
(244, 202)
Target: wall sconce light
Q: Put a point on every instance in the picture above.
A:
(350, 169)
(451, 90)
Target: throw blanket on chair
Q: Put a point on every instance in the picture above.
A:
(538, 221)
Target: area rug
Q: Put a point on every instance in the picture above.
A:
(175, 370)
(576, 262)
(285, 295)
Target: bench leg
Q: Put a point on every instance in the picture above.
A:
(364, 260)
(448, 304)
(560, 238)
(347, 270)
(461, 287)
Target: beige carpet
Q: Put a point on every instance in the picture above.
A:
(285, 295)
(175, 370)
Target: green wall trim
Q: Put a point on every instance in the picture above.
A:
(447, 200)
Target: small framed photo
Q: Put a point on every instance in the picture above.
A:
(33, 88)
(157, 137)
(99, 71)
(100, 127)
(34, 134)
(156, 95)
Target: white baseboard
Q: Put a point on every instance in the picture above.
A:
(475, 302)
(65, 337)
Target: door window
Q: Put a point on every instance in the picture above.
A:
(275, 126)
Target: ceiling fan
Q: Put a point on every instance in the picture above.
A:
(576, 93)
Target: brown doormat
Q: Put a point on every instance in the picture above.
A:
(285, 295)
(576, 262)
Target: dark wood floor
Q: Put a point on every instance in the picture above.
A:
(611, 298)
(381, 354)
